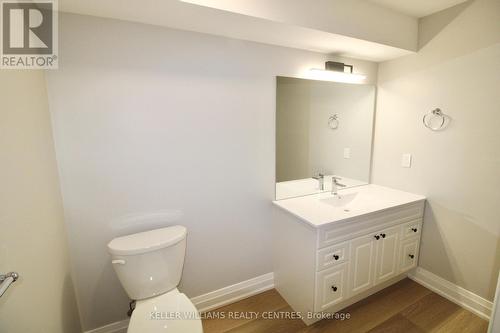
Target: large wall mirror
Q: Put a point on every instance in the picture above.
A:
(323, 129)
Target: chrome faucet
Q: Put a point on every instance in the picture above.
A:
(321, 180)
(336, 184)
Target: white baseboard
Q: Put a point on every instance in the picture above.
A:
(233, 293)
(117, 327)
(466, 299)
(211, 300)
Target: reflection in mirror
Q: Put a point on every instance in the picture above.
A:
(323, 129)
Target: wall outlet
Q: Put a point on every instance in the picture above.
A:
(347, 152)
(406, 160)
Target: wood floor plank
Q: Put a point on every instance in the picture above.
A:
(403, 307)
(374, 310)
(267, 301)
(431, 312)
(280, 324)
(464, 322)
(396, 324)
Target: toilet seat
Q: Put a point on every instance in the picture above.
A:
(171, 312)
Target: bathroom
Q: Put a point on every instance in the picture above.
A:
(167, 113)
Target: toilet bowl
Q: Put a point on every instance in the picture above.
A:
(170, 312)
(149, 267)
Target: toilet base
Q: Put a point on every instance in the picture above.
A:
(171, 312)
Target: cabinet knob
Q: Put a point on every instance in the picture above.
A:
(414, 229)
(334, 288)
(383, 235)
(411, 256)
(377, 237)
(336, 257)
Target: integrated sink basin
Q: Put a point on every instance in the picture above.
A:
(341, 200)
(325, 208)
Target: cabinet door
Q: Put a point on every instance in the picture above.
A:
(331, 286)
(363, 250)
(387, 254)
(409, 254)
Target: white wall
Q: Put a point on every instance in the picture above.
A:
(169, 124)
(458, 70)
(32, 233)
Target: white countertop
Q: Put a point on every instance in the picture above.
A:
(323, 208)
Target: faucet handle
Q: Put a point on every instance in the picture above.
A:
(336, 178)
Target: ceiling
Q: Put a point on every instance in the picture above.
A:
(185, 15)
(417, 8)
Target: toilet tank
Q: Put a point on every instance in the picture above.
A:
(149, 263)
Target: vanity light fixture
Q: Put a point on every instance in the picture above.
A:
(336, 71)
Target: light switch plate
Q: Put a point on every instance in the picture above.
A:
(347, 152)
(406, 160)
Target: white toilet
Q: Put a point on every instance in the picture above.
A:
(149, 266)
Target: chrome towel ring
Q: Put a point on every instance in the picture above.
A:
(435, 114)
(333, 121)
(6, 280)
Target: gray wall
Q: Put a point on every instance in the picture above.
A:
(458, 169)
(355, 106)
(292, 129)
(32, 234)
(170, 127)
(306, 145)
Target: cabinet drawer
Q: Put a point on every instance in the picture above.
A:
(411, 229)
(332, 255)
(370, 223)
(409, 254)
(331, 286)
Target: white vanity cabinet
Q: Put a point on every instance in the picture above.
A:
(324, 268)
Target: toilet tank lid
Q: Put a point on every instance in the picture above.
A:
(147, 241)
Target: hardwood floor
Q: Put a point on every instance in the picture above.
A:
(405, 307)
